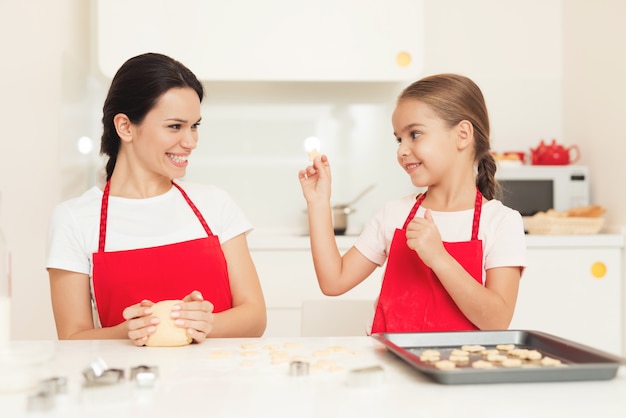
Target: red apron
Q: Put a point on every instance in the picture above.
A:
(124, 278)
(412, 299)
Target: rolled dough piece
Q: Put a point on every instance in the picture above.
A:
(313, 153)
(167, 334)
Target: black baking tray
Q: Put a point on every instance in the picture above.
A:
(579, 362)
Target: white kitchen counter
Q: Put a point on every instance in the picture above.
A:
(238, 378)
(268, 240)
(263, 241)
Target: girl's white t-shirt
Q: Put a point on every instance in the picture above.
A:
(501, 231)
(138, 223)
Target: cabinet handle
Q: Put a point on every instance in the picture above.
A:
(598, 269)
(403, 59)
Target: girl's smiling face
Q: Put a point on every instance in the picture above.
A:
(163, 141)
(426, 145)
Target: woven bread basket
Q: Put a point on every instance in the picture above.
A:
(569, 225)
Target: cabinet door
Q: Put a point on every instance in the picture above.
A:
(574, 293)
(288, 279)
(283, 40)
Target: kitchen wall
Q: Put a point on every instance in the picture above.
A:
(252, 134)
(33, 40)
(548, 69)
(593, 96)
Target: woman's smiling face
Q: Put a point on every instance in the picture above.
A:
(168, 134)
(426, 145)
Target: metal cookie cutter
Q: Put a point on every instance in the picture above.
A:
(53, 385)
(298, 368)
(144, 376)
(98, 374)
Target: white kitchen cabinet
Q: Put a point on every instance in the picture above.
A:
(572, 287)
(574, 292)
(271, 40)
(288, 279)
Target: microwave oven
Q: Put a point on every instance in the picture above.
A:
(536, 188)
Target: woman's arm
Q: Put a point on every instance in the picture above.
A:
(71, 305)
(247, 317)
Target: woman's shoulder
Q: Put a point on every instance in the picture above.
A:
(206, 194)
(89, 198)
(200, 188)
(78, 210)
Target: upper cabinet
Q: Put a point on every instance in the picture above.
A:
(269, 40)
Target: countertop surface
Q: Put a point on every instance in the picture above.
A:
(250, 377)
(283, 240)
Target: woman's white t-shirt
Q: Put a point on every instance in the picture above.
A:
(501, 231)
(138, 223)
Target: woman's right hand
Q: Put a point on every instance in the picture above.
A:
(139, 322)
(315, 180)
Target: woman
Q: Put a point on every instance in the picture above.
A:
(145, 237)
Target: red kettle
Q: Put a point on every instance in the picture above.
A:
(554, 154)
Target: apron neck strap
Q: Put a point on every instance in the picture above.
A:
(420, 199)
(195, 209)
(104, 208)
(478, 205)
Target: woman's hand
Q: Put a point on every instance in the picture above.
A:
(422, 236)
(196, 315)
(315, 180)
(140, 322)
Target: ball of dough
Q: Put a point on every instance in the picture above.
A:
(167, 334)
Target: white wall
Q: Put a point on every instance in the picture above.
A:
(593, 102)
(594, 108)
(514, 50)
(252, 133)
(36, 35)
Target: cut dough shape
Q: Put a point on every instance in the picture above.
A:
(313, 153)
(248, 346)
(220, 354)
(167, 334)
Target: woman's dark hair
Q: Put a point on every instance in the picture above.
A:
(135, 89)
(455, 98)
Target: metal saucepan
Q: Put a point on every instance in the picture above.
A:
(341, 212)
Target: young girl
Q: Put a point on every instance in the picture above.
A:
(145, 237)
(454, 254)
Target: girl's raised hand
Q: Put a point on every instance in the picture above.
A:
(195, 314)
(315, 180)
(140, 323)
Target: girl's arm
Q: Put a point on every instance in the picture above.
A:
(488, 307)
(336, 274)
(247, 317)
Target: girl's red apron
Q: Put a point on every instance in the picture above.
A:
(124, 278)
(412, 299)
